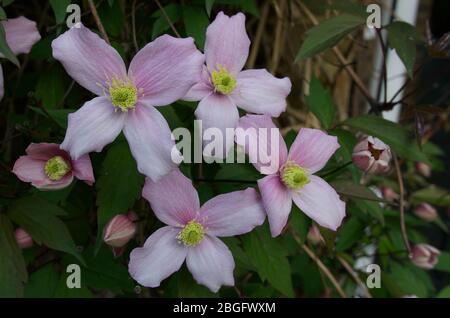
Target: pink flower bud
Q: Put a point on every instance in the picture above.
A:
(425, 256)
(389, 194)
(23, 239)
(372, 155)
(426, 212)
(120, 230)
(423, 169)
(314, 236)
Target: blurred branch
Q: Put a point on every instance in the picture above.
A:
(133, 25)
(402, 203)
(168, 19)
(354, 275)
(258, 36)
(98, 21)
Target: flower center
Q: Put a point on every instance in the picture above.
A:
(223, 81)
(123, 94)
(56, 168)
(192, 234)
(294, 176)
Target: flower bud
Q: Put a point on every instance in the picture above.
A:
(425, 256)
(120, 230)
(314, 236)
(423, 169)
(389, 194)
(23, 239)
(426, 212)
(372, 155)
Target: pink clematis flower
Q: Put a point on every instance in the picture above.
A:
(191, 232)
(160, 73)
(294, 180)
(224, 85)
(21, 34)
(48, 167)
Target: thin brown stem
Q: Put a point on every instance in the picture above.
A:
(98, 22)
(133, 25)
(258, 36)
(354, 275)
(168, 19)
(402, 204)
(383, 49)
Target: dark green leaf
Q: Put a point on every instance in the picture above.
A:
(196, 21)
(444, 262)
(352, 190)
(5, 49)
(350, 233)
(208, 6)
(161, 24)
(42, 283)
(51, 87)
(320, 103)
(59, 8)
(58, 115)
(328, 33)
(433, 195)
(444, 293)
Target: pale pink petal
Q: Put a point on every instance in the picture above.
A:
(318, 200)
(166, 69)
(161, 256)
(82, 169)
(88, 59)
(219, 112)
(254, 133)
(21, 34)
(201, 89)
(150, 141)
(45, 151)
(227, 43)
(173, 198)
(93, 126)
(312, 149)
(233, 213)
(258, 91)
(2, 85)
(277, 202)
(211, 263)
(31, 170)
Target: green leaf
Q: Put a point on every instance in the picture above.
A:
(391, 133)
(58, 115)
(41, 219)
(161, 25)
(320, 103)
(352, 190)
(299, 222)
(42, 283)
(118, 186)
(2, 14)
(404, 280)
(59, 8)
(402, 37)
(51, 87)
(208, 6)
(433, 195)
(444, 293)
(195, 21)
(5, 49)
(269, 258)
(350, 233)
(112, 18)
(443, 262)
(328, 33)
(13, 272)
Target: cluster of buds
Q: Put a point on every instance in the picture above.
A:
(426, 212)
(425, 256)
(372, 155)
(119, 231)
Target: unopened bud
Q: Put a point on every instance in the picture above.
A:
(314, 236)
(423, 169)
(425, 256)
(120, 230)
(426, 212)
(389, 194)
(23, 239)
(372, 155)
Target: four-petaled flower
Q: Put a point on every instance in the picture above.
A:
(224, 85)
(48, 167)
(160, 73)
(191, 232)
(294, 179)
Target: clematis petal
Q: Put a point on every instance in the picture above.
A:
(166, 69)
(233, 213)
(218, 111)
(277, 202)
(21, 34)
(258, 91)
(211, 263)
(161, 256)
(92, 127)
(173, 198)
(312, 148)
(91, 61)
(227, 43)
(321, 203)
(45, 151)
(31, 170)
(150, 141)
(82, 169)
(201, 89)
(256, 137)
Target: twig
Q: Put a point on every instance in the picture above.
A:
(354, 275)
(383, 49)
(278, 38)
(98, 21)
(321, 265)
(168, 19)
(133, 25)
(258, 36)
(402, 204)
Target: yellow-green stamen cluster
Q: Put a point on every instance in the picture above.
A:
(56, 168)
(294, 177)
(192, 234)
(223, 81)
(124, 94)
